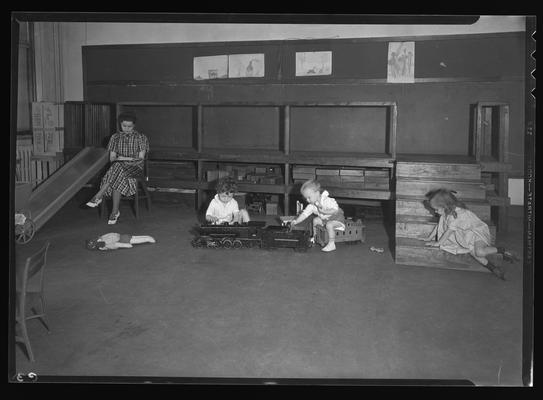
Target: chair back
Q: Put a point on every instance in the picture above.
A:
(34, 265)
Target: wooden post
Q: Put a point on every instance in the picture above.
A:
(286, 195)
(286, 132)
(199, 128)
(393, 125)
(478, 133)
(503, 182)
(199, 178)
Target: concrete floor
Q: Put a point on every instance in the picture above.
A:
(174, 311)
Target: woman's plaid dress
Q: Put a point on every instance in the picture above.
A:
(121, 174)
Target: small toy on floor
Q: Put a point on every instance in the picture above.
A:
(114, 241)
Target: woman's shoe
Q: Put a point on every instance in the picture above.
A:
(94, 203)
(113, 221)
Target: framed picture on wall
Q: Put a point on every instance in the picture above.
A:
(210, 67)
(313, 63)
(245, 65)
(401, 62)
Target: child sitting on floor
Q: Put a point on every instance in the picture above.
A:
(460, 231)
(114, 241)
(329, 214)
(223, 207)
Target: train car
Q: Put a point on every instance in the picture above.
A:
(274, 237)
(237, 235)
(251, 234)
(355, 232)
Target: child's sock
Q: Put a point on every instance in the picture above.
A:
(508, 256)
(331, 246)
(495, 270)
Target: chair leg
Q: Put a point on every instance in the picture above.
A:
(137, 203)
(103, 208)
(26, 340)
(42, 318)
(147, 197)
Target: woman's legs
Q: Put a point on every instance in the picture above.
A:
(142, 239)
(331, 229)
(116, 197)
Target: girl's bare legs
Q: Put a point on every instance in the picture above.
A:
(142, 239)
(481, 251)
(316, 222)
(331, 229)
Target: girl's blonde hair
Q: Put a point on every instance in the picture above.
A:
(311, 184)
(444, 198)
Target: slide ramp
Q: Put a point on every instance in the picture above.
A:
(51, 195)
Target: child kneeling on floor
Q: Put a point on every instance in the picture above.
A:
(223, 207)
(328, 213)
(460, 231)
(114, 241)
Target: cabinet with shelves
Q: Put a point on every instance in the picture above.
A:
(257, 147)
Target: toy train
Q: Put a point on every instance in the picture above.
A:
(250, 235)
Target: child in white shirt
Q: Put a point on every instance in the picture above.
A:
(223, 207)
(328, 212)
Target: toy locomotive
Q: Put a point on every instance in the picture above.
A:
(251, 234)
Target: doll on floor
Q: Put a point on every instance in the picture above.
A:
(114, 241)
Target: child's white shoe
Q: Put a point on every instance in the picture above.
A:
(329, 247)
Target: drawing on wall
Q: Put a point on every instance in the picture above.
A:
(314, 63)
(210, 67)
(245, 65)
(401, 62)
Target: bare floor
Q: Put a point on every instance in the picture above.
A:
(170, 310)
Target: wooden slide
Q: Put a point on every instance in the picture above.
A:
(51, 195)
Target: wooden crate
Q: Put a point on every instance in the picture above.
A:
(414, 252)
(415, 207)
(438, 170)
(416, 227)
(418, 187)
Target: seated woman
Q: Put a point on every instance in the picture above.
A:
(127, 150)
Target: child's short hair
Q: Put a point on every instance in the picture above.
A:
(226, 185)
(127, 116)
(312, 184)
(444, 198)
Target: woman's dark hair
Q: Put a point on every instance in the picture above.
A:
(444, 198)
(126, 116)
(226, 184)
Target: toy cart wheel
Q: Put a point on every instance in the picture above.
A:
(25, 232)
(227, 244)
(238, 244)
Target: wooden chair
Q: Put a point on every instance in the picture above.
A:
(29, 287)
(142, 193)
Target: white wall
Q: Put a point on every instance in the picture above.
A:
(77, 34)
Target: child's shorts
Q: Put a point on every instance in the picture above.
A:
(339, 217)
(124, 238)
